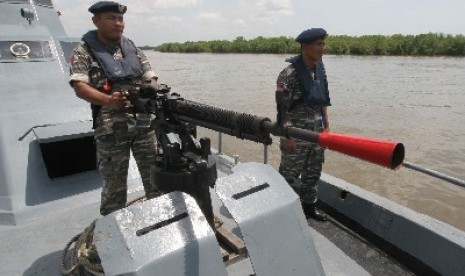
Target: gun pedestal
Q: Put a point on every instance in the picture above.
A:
(177, 170)
(185, 166)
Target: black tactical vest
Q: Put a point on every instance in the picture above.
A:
(127, 68)
(315, 89)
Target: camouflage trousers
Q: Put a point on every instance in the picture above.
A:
(306, 162)
(113, 163)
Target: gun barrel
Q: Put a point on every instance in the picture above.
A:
(385, 153)
(382, 152)
(241, 125)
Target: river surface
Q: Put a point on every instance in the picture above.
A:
(417, 101)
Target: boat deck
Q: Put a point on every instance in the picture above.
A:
(36, 247)
(362, 252)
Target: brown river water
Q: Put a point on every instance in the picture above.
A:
(417, 101)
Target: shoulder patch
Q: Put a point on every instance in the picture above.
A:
(72, 59)
(281, 86)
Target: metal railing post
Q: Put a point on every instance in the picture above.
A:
(265, 154)
(220, 143)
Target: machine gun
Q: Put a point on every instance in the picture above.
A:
(183, 162)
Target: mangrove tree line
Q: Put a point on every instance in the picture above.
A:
(431, 44)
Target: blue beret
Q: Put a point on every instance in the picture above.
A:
(310, 35)
(107, 6)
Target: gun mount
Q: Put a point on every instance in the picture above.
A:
(182, 161)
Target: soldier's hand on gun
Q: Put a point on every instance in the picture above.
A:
(288, 144)
(117, 99)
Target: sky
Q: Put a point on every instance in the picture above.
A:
(153, 22)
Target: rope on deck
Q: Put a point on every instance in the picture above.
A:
(84, 253)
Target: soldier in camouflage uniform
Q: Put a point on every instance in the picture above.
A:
(302, 100)
(103, 66)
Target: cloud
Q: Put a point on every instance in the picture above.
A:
(165, 19)
(239, 22)
(167, 4)
(273, 11)
(274, 4)
(209, 16)
(153, 22)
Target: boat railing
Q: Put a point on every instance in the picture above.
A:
(406, 164)
(236, 157)
(435, 174)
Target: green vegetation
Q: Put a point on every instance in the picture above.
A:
(431, 44)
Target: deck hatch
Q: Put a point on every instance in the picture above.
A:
(67, 157)
(67, 148)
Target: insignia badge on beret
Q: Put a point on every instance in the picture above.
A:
(121, 8)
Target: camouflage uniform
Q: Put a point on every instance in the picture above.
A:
(117, 132)
(308, 158)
